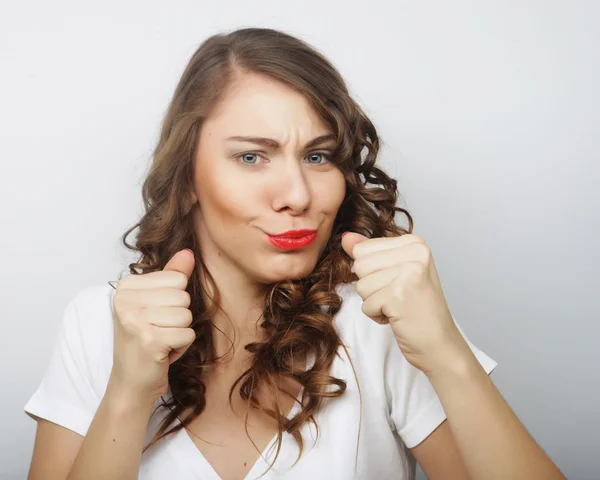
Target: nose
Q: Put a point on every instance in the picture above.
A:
(293, 190)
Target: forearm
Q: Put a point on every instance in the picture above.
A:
(113, 445)
(492, 441)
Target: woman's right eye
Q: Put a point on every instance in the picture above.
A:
(249, 158)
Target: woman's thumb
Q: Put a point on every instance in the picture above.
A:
(349, 239)
(183, 261)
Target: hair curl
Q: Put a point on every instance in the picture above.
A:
(297, 313)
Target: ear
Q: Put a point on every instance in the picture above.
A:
(192, 199)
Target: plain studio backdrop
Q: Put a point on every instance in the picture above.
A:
(489, 114)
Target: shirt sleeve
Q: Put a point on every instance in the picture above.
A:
(415, 408)
(66, 395)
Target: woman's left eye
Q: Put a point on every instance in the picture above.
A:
(250, 158)
(317, 158)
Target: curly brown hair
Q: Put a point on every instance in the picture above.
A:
(297, 313)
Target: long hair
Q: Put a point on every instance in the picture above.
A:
(298, 314)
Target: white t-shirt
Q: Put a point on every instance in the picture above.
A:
(400, 408)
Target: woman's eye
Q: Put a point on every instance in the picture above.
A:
(249, 158)
(317, 158)
(254, 158)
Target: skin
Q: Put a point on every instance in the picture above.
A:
(237, 204)
(245, 190)
(285, 188)
(398, 281)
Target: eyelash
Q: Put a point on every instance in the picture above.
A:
(324, 155)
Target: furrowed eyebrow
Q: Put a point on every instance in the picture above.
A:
(271, 143)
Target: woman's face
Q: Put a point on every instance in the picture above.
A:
(250, 191)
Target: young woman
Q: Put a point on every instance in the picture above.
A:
(278, 321)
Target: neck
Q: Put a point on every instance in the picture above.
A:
(237, 322)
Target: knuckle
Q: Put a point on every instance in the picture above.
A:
(119, 285)
(171, 279)
(358, 267)
(419, 270)
(182, 280)
(158, 357)
(128, 320)
(188, 317)
(424, 252)
(175, 279)
(360, 288)
(118, 299)
(146, 339)
(414, 272)
(397, 289)
(186, 298)
(365, 308)
(417, 238)
(191, 334)
(130, 329)
(122, 298)
(123, 283)
(357, 250)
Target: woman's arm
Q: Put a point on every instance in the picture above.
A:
(493, 443)
(400, 285)
(112, 448)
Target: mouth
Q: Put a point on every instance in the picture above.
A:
(294, 239)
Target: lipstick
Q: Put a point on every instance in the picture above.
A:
(294, 239)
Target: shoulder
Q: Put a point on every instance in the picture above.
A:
(90, 310)
(93, 295)
(77, 372)
(88, 329)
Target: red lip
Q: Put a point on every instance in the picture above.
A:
(293, 239)
(294, 233)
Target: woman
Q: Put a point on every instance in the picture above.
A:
(280, 323)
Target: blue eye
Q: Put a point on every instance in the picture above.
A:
(319, 156)
(252, 158)
(249, 158)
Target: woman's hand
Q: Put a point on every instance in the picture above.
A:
(151, 320)
(399, 285)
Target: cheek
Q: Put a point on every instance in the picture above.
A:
(226, 213)
(330, 192)
(222, 196)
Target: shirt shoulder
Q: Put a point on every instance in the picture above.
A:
(94, 327)
(93, 319)
(411, 401)
(76, 374)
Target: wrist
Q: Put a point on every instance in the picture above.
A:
(461, 365)
(455, 359)
(125, 400)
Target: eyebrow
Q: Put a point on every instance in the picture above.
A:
(271, 143)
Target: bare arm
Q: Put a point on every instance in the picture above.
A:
(54, 451)
(151, 331)
(493, 443)
(111, 449)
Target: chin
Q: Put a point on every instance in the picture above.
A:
(288, 267)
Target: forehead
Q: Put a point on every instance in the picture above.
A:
(258, 104)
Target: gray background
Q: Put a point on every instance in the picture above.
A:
(490, 116)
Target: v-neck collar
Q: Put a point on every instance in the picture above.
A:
(201, 466)
(183, 443)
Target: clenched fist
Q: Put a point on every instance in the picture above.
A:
(151, 327)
